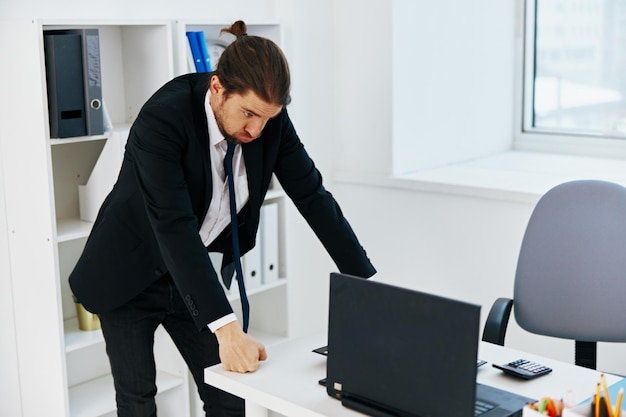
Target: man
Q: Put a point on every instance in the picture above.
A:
(146, 264)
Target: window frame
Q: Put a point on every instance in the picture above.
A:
(530, 138)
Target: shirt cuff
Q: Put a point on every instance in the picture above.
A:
(214, 325)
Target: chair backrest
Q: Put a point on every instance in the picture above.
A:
(571, 273)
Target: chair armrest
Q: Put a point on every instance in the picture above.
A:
(497, 321)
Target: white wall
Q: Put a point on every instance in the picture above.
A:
(308, 42)
(362, 93)
(421, 84)
(452, 81)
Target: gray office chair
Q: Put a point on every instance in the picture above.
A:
(571, 272)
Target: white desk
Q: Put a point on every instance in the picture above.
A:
(287, 381)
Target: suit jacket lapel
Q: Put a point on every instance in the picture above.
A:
(253, 158)
(202, 136)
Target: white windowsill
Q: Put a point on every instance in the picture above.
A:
(517, 176)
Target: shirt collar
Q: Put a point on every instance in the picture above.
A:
(215, 136)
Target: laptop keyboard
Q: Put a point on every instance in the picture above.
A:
(481, 407)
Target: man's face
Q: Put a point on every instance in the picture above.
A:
(240, 117)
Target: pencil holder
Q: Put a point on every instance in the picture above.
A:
(86, 319)
(530, 410)
(588, 410)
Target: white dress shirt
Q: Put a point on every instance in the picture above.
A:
(218, 213)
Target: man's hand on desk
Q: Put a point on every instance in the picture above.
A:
(239, 352)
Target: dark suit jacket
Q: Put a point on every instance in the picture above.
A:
(148, 225)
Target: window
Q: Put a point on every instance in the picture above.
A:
(575, 68)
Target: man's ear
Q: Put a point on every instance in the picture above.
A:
(215, 85)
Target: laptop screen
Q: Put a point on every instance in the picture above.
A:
(401, 350)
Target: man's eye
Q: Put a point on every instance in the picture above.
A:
(247, 114)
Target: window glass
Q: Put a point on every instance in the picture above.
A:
(579, 82)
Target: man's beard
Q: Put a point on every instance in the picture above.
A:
(220, 125)
(229, 138)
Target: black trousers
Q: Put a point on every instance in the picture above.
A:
(129, 335)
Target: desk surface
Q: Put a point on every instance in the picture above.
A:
(287, 381)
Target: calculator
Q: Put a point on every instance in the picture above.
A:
(523, 368)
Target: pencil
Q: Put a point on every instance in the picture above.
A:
(618, 407)
(607, 399)
(597, 404)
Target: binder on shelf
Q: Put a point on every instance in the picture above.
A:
(252, 267)
(93, 84)
(269, 242)
(195, 51)
(204, 51)
(193, 38)
(64, 75)
(73, 78)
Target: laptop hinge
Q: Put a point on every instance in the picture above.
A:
(365, 408)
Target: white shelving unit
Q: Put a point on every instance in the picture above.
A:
(64, 371)
(129, 76)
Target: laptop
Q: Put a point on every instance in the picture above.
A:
(396, 352)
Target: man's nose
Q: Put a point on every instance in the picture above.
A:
(254, 128)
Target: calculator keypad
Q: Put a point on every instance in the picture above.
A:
(523, 368)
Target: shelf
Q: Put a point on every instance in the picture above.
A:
(274, 194)
(233, 293)
(78, 339)
(76, 139)
(120, 127)
(70, 229)
(97, 397)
